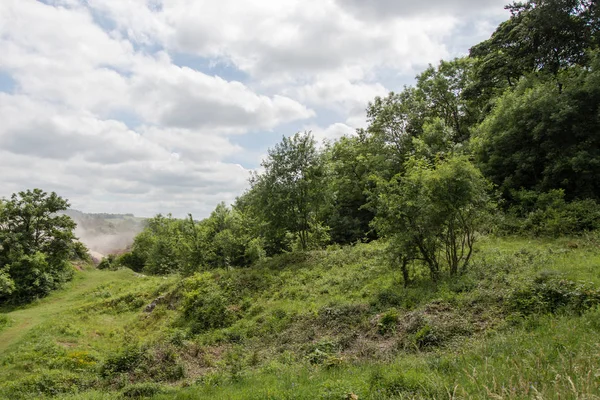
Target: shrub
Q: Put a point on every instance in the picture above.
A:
(548, 214)
(7, 285)
(389, 297)
(342, 316)
(4, 321)
(140, 390)
(46, 383)
(159, 363)
(324, 353)
(205, 304)
(427, 336)
(126, 360)
(131, 260)
(108, 263)
(388, 321)
(432, 213)
(408, 383)
(35, 276)
(550, 293)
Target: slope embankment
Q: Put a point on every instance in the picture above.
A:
(522, 321)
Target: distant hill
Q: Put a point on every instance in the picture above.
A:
(106, 233)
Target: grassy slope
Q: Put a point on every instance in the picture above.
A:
(24, 319)
(323, 325)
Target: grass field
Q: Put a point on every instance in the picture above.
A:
(523, 322)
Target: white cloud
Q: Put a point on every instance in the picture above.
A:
(293, 40)
(100, 112)
(172, 96)
(330, 133)
(385, 9)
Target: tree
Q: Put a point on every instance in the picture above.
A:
(393, 121)
(442, 92)
(169, 245)
(290, 191)
(541, 138)
(432, 213)
(544, 36)
(36, 244)
(348, 214)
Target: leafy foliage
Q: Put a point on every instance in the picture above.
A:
(539, 138)
(36, 243)
(288, 194)
(432, 213)
(549, 293)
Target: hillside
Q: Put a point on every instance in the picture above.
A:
(522, 322)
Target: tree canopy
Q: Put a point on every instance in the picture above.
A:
(36, 243)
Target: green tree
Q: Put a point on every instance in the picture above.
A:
(541, 138)
(161, 246)
(541, 36)
(432, 213)
(36, 244)
(170, 245)
(347, 212)
(442, 92)
(7, 285)
(290, 192)
(392, 123)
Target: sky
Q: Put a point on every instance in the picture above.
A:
(166, 106)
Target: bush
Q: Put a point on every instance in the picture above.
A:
(408, 383)
(340, 317)
(7, 285)
(205, 305)
(126, 360)
(46, 383)
(432, 213)
(324, 353)
(4, 321)
(109, 263)
(428, 336)
(35, 276)
(388, 321)
(132, 261)
(159, 363)
(550, 293)
(140, 390)
(548, 214)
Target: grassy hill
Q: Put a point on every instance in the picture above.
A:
(522, 322)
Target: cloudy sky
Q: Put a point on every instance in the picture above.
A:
(147, 106)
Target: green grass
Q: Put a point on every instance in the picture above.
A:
(328, 324)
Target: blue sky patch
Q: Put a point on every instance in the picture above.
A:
(7, 83)
(210, 67)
